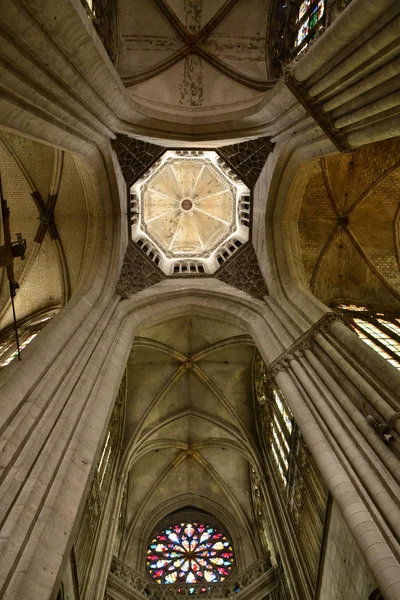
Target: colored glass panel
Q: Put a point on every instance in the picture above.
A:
(303, 32)
(304, 8)
(353, 307)
(194, 553)
(278, 464)
(283, 411)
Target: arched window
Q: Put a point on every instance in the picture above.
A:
(292, 474)
(101, 485)
(190, 553)
(380, 330)
(294, 24)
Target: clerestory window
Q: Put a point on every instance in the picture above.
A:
(310, 19)
(379, 330)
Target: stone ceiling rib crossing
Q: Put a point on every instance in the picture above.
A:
(202, 47)
(47, 193)
(348, 227)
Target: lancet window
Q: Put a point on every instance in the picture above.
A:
(299, 491)
(295, 24)
(100, 488)
(379, 330)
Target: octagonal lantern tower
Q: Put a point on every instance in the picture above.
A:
(189, 212)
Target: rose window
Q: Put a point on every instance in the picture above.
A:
(190, 553)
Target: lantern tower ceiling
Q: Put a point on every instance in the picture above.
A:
(186, 208)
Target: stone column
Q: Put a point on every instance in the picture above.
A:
(360, 470)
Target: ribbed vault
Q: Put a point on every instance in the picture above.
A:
(190, 431)
(178, 55)
(348, 226)
(49, 195)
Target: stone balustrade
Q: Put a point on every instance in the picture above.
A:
(233, 587)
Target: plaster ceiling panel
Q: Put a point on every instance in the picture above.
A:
(170, 229)
(230, 369)
(209, 229)
(187, 174)
(317, 220)
(152, 208)
(185, 237)
(36, 158)
(166, 183)
(209, 183)
(190, 334)
(240, 39)
(146, 36)
(194, 14)
(187, 206)
(379, 240)
(234, 472)
(344, 273)
(71, 218)
(218, 205)
(193, 84)
(172, 207)
(41, 288)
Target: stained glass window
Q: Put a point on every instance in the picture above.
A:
(309, 21)
(281, 429)
(190, 553)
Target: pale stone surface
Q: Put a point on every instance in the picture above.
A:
(345, 573)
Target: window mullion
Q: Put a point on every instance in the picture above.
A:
(395, 336)
(378, 342)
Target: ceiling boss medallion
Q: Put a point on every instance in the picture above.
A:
(188, 208)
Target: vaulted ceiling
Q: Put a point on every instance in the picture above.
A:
(349, 226)
(177, 56)
(47, 193)
(190, 431)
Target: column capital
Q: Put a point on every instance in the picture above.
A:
(297, 349)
